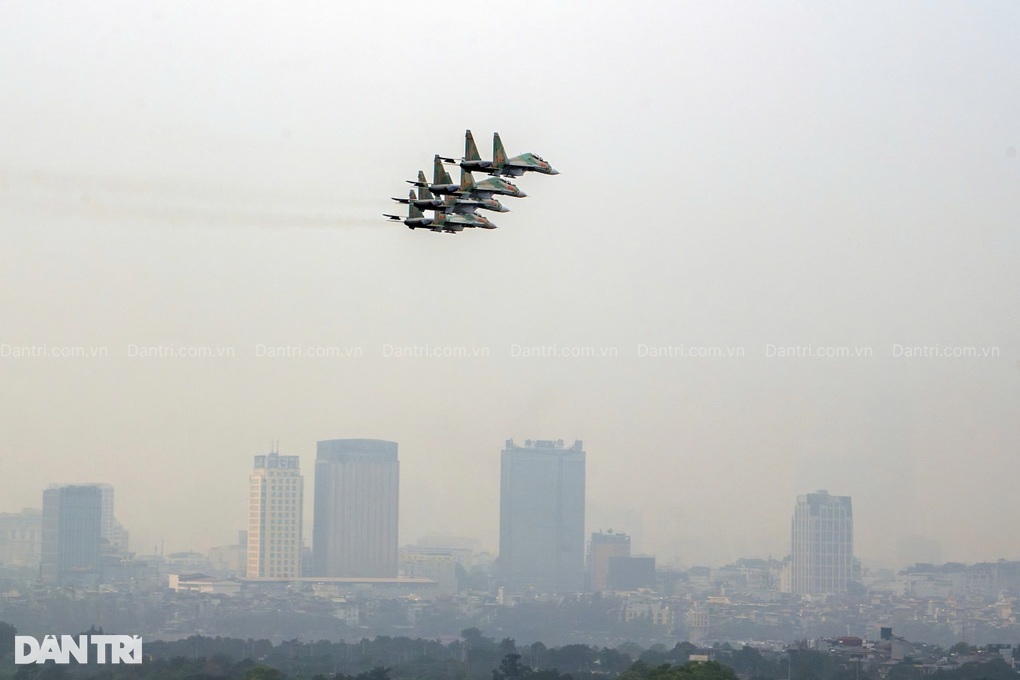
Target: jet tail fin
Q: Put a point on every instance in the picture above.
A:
(439, 173)
(470, 150)
(412, 209)
(423, 187)
(467, 182)
(420, 182)
(498, 153)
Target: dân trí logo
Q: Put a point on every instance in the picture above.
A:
(105, 649)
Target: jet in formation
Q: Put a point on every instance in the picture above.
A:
(455, 205)
(446, 220)
(500, 164)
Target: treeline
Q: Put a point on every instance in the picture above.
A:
(471, 657)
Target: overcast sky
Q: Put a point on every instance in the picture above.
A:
(739, 178)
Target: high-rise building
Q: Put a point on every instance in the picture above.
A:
(357, 485)
(603, 546)
(541, 515)
(822, 554)
(275, 508)
(21, 538)
(115, 536)
(72, 534)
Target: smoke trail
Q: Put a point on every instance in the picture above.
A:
(111, 199)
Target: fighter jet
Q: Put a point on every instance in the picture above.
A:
(461, 211)
(481, 193)
(442, 184)
(448, 222)
(466, 200)
(500, 164)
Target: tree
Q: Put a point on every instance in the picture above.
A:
(472, 637)
(508, 646)
(711, 670)
(537, 654)
(510, 668)
(613, 660)
(377, 673)
(7, 633)
(263, 673)
(573, 658)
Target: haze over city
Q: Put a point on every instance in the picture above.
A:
(762, 183)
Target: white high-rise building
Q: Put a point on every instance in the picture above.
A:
(822, 555)
(275, 508)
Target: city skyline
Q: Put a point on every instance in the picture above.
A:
(115, 533)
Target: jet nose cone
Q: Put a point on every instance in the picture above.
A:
(521, 194)
(553, 171)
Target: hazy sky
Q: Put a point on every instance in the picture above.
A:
(744, 176)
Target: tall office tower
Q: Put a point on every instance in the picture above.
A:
(275, 507)
(71, 534)
(602, 547)
(115, 536)
(822, 555)
(541, 516)
(357, 484)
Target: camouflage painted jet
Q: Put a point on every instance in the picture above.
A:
(500, 164)
(443, 185)
(448, 222)
(460, 210)
(464, 201)
(480, 193)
